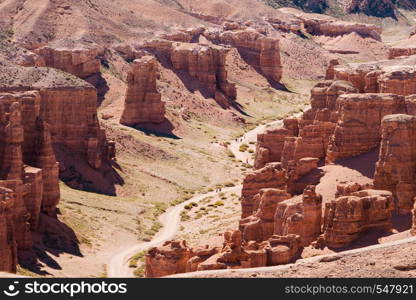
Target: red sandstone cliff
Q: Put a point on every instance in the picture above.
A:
(143, 102)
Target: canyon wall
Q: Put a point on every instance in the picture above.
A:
(41, 109)
(29, 180)
(397, 76)
(207, 64)
(260, 51)
(396, 166)
(346, 217)
(79, 61)
(358, 128)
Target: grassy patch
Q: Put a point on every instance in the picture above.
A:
(139, 257)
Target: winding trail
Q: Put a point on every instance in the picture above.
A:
(119, 263)
(251, 136)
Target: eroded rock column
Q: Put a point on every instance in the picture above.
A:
(143, 102)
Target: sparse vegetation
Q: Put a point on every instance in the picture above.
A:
(139, 257)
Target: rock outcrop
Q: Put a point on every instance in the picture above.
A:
(330, 72)
(396, 76)
(235, 253)
(68, 106)
(259, 50)
(300, 215)
(283, 249)
(80, 61)
(35, 150)
(260, 226)
(358, 128)
(413, 229)
(8, 246)
(186, 35)
(171, 258)
(207, 64)
(271, 176)
(277, 213)
(143, 102)
(329, 26)
(269, 146)
(396, 167)
(401, 51)
(347, 217)
(29, 182)
(307, 137)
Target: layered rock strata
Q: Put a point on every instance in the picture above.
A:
(401, 51)
(271, 176)
(29, 183)
(69, 107)
(207, 64)
(347, 217)
(260, 226)
(306, 137)
(330, 72)
(396, 166)
(79, 61)
(175, 257)
(358, 128)
(143, 103)
(328, 26)
(269, 146)
(301, 216)
(171, 258)
(259, 50)
(396, 76)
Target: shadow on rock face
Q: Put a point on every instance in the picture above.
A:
(99, 82)
(52, 239)
(75, 171)
(364, 163)
(164, 129)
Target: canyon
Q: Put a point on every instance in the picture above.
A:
(167, 137)
(339, 124)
